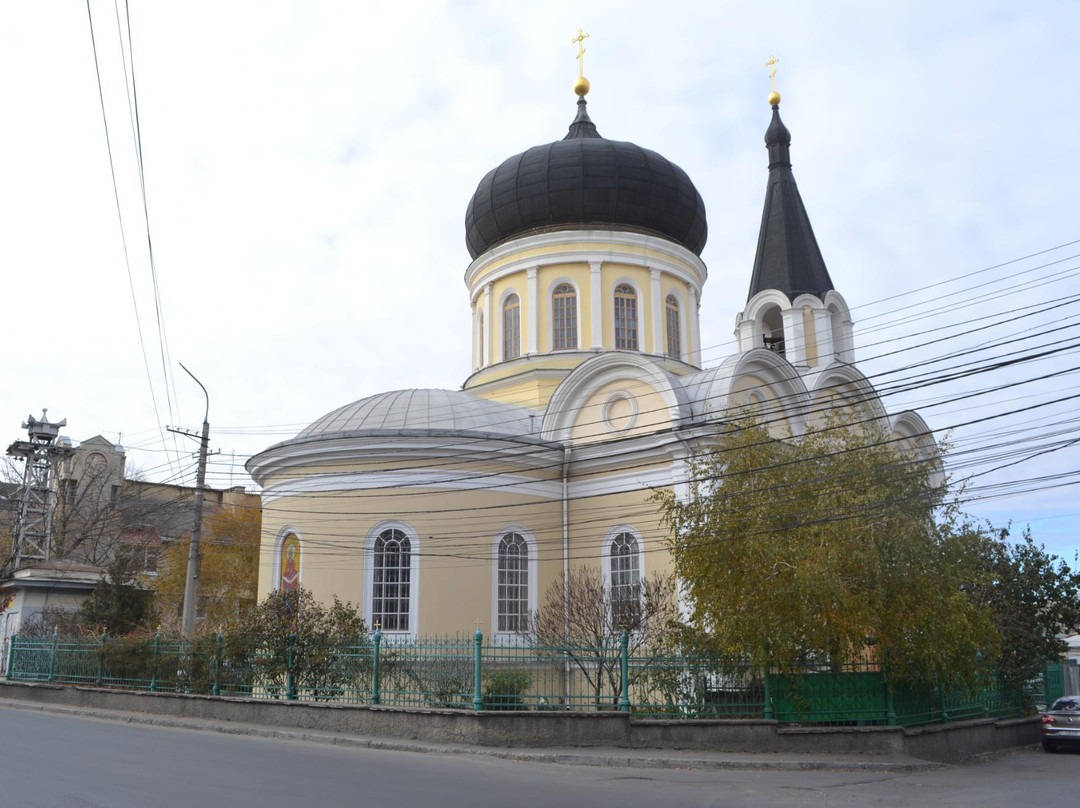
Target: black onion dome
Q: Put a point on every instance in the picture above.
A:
(585, 180)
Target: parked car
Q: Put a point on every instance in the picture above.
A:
(1061, 724)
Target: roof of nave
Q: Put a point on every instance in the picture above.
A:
(424, 409)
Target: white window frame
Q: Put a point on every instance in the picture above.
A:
(605, 556)
(533, 578)
(414, 575)
(502, 324)
(577, 314)
(639, 315)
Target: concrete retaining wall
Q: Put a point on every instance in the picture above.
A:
(944, 743)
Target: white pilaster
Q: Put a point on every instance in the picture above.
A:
(489, 324)
(693, 350)
(657, 312)
(533, 337)
(596, 302)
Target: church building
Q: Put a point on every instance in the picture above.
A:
(435, 509)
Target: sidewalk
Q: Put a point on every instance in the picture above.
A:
(573, 756)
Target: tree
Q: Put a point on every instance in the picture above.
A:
(589, 629)
(228, 569)
(117, 605)
(825, 549)
(1035, 598)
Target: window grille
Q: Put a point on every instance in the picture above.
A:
(564, 317)
(513, 583)
(511, 327)
(626, 323)
(391, 581)
(674, 342)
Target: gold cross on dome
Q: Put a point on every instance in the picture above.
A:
(771, 64)
(580, 40)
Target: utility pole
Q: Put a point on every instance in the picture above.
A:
(191, 585)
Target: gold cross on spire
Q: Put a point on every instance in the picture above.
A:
(580, 40)
(774, 97)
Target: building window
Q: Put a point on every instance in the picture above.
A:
(564, 317)
(625, 580)
(511, 327)
(626, 325)
(390, 593)
(772, 322)
(513, 583)
(71, 491)
(674, 343)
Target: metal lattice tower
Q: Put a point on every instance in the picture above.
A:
(40, 453)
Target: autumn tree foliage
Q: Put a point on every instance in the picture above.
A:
(228, 569)
(826, 548)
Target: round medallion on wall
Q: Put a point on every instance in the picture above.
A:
(620, 412)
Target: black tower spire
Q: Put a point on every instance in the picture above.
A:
(788, 258)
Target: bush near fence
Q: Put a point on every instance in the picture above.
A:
(464, 672)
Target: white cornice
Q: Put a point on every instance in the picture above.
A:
(405, 479)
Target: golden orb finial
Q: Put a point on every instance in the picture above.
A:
(581, 86)
(774, 97)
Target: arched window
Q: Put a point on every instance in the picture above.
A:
(564, 317)
(513, 593)
(626, 325)
(511, 327)
(625, 580)
(674, 342)
(391, 580)
(772, 321)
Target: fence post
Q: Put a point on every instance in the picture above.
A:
(217, 665)
(624, 655)
(52, 656)
(11, 654)
(941, 701)
(377, 641)
(101, 660)
(768, 713)
(155, 648)
(290, 682)
(890, 701)
(478, 697)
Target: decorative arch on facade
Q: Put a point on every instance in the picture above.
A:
(574, 391)
(514, 579)
(917, 436)
(850, 385)
(392, 577)
(841, 332)
(288, 559)
(782, 397)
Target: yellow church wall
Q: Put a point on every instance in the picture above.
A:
(456, 532)
(592, 521)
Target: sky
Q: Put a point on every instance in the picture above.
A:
(306, 169)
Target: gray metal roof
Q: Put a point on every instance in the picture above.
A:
(424, 409)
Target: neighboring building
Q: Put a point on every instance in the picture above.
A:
(435, 508)
(98, 518)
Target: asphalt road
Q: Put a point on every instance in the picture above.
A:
(57, 761)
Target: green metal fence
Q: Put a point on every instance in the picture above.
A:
(466, 672)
